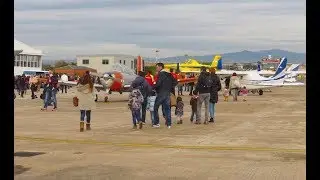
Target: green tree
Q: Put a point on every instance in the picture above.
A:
(60, 63)
(47, 67)
(73, 63)
(150, 68)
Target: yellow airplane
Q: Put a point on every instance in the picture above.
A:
(192, 65)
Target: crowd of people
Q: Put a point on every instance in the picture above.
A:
(148, 93)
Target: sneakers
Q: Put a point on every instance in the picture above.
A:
(134, 126)
(156, 125)
(211, 120)
(169, 127)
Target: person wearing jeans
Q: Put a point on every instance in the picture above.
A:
(51, 91)
(86, 100)
(216, 86)
(203, 87)
(164, 85)
(164, 101)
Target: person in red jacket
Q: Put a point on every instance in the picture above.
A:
(149, 78)
(175, 77)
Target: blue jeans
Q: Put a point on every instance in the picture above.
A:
(152, 117)
(50, 95)
(87, 114)
(136, 116)
(211, 109)
(164, 101)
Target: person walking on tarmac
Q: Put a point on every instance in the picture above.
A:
(141, 83)
(164, 85)
(51, 92)
(203, 87)
(216, 86)
(86, 101)
(174, 75)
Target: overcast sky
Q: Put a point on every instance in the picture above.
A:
(66, 28)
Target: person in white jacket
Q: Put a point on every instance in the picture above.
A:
(86, 100)
(234, 86)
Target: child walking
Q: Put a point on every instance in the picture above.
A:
(244, 92)
(179, 110)
(193, 103)
(226, 94)
(135, 103)
(150, 105)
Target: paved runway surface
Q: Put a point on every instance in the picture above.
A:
(263, 138)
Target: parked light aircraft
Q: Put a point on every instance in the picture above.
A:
(253, 80)
(118, 80)
(193, 65)
(291, 75)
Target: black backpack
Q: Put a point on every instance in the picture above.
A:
(207, 81)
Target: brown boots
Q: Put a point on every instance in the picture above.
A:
(88, 127)
(81, 126)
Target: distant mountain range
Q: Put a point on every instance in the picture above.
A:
(239, 57)
(242, 57)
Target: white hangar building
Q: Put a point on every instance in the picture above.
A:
(29, 59)
(104, 62)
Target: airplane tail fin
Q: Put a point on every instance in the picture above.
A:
(293, 67)
(258, 67)
(281, 67)
(217, 62)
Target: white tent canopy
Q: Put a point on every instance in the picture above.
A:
(27, 50)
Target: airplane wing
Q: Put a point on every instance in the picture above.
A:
(261, 86)
(293, 84)
(74, 83)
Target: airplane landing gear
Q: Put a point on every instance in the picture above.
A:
(110, 92)
(254, 91)
(106, 99)
(260, 92)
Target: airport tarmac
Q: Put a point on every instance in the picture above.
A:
(263, 138)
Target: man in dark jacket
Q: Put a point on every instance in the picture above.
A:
(216, 86)
(163, 87)
(22, 85)
(144, 87)
(203, 87)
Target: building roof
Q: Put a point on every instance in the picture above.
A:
(26, 49)
(75, 67)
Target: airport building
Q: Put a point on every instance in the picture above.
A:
(29, 59)
(104, 62)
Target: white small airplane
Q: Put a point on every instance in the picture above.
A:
(254, 82)
(291, 75)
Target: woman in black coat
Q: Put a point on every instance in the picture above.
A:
(215, 87)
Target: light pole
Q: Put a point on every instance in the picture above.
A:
(157, 55)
